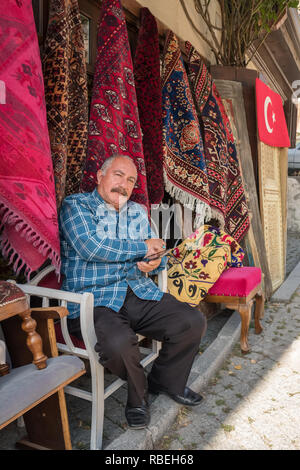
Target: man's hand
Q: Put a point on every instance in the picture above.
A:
(150, 266)
(154, 245)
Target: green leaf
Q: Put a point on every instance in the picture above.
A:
(211, 254)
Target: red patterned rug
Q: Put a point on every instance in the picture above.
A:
(227, 197)
(148, 90)
(114, 126)
(27, 196)
(66, 95)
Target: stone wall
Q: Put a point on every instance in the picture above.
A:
(170, 15)
(293, 207)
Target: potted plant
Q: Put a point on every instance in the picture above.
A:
(245, 25)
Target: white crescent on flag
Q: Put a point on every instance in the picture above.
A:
(266, 105)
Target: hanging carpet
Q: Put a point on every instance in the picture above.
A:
(148, 90)
(227, 197)
(114, 126)
(184, 165)
(28, 212)
(66, 95)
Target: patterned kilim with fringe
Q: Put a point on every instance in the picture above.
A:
(227, 197)
(28, 214)
(184, 165)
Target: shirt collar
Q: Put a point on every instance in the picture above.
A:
(97, 196)
(99, 199)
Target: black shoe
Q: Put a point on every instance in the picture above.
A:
(138, 417)
(189, 397)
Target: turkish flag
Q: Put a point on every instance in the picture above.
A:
(271, 123)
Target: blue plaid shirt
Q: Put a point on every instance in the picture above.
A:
(100, 248)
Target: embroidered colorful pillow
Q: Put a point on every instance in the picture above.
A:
(197, 263)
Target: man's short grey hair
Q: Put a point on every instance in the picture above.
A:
(108, 162)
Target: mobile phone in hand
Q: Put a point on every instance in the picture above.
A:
(157, 255)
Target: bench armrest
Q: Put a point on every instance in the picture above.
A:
(54, 313)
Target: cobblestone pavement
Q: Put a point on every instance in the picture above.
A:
(253, 402)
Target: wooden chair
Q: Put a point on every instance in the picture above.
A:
(86, 304)
(238, 289)
(34, 386)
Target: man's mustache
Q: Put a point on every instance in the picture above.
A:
(119, 190)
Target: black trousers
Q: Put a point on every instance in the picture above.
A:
(179, 327)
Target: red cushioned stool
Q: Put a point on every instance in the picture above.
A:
(237, 288)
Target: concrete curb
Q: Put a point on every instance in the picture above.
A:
(164, 410)
(288, 287)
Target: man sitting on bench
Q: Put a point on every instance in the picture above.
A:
(104, 240)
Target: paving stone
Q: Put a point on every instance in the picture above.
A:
(243, 437)
(265, 414)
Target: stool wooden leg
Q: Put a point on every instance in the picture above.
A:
(245, 312)
(259, 311)
(34, 341)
